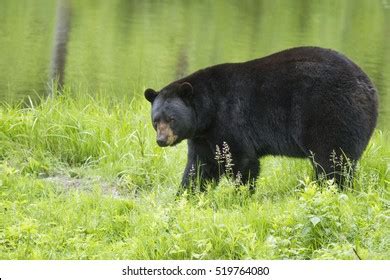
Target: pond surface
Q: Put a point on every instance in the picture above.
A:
(119, 47)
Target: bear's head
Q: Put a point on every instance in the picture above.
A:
(173, 117)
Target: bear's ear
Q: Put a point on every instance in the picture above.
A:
(186, 89)
(150, 94)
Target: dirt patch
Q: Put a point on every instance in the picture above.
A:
(85, 184)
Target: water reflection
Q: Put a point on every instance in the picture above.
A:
(61, 40)
(121, 46)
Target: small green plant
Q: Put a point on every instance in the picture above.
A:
(225, 164)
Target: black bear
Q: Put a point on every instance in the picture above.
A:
(301, 102)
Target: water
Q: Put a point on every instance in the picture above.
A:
(119, 47)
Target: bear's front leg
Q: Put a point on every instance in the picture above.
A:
(248, 168)
(201, 167)
(197, 174)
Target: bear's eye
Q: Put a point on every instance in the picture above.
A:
(171, 119)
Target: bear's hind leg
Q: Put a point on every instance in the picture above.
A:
(333, 165)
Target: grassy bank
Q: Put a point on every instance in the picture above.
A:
(82, 178)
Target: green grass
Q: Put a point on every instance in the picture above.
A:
(82, 178)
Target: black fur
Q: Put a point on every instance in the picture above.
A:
(299, 102)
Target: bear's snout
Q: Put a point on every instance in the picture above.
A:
(162, 142)
(165, 135)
